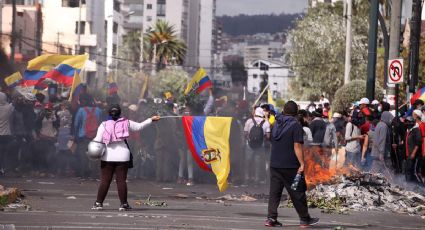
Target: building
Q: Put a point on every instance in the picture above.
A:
(277, 74)
(134, 10)
(28, 29)
(262, 50)
(63, 35)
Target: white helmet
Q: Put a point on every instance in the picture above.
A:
(95, 150)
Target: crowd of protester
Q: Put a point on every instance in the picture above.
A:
(49, 136)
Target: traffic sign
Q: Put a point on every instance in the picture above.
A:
(395, 71)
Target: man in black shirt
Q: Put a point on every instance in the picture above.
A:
(286, 162)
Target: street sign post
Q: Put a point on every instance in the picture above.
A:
(395, 71)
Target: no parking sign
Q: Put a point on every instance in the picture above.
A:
(395, 71)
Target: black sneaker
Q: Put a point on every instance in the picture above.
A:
(124, 207)
(97, 206)
(270, 222)
(309, 222)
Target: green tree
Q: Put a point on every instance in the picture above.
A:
(163, 39)
(352, 92)
(318, 49)
(170, 80)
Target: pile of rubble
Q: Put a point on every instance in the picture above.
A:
(364, 192)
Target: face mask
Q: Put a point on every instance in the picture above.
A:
(37, 111)
(379, 109)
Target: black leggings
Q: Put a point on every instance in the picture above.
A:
(107, 172)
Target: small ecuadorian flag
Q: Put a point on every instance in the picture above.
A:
(13, 80)
(208, 140)
(199, 82)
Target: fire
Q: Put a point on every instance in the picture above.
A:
(321, 167)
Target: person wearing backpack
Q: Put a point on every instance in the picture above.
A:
(256, 129)
(87, 119)
(352, 138)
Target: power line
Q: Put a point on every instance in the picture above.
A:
(22, 38)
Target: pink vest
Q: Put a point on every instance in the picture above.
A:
(116, 130)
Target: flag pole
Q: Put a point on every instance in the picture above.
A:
(261, 94)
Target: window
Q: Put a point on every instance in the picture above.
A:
(114, 49)
(254, 76)
(117, 6)
(83, 27)
(22, 2)
(106, 30)
(149, 6)
(160, 10)
(149, 18)
(115, 28)
(72, 3)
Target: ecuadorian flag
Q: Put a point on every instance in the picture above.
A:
(59, 68)
(77, 89)
(13, 80)
(208, 141)
(199, 82)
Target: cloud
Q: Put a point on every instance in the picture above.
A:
(236, 7)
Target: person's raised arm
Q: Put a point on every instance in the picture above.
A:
(135, 126)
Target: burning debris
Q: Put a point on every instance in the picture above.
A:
(364, 192)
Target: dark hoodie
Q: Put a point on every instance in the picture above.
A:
(285, 132)
(381, 142)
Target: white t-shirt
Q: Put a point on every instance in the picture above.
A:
(249, 124)
(118, 151)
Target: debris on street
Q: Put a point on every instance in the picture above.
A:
(365, 192)
(229, 197)
(152, 203)
(8, 196)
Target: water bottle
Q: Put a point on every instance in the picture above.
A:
(296, 181)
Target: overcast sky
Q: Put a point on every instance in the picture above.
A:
(235, 7)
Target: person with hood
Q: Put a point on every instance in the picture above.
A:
(287, 160)
(382, 142)
(6, 110)
(116, 159)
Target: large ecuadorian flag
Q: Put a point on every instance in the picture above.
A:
(59, 68)
(208, 141)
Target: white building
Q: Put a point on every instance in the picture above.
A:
(62, 35)
(313, 3)
(277, 74)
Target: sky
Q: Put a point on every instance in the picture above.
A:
(236, 7)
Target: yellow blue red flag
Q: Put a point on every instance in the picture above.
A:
(112, 86)
(208, 141)
(199, 82)
(13, 80)
(59, 68)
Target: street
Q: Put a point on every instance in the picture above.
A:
(64, 203)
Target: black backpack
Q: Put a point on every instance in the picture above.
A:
(256, 135)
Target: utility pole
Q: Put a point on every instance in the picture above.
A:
(394, 48)
(79, 28)
(371, 62)
(415, 34)
(13, 37)
(57, 42)
(39, 25)
(348, 43)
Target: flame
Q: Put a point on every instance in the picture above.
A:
(317, 166)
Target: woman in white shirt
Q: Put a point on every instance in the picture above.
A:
(116, 158)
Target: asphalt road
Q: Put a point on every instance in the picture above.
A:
(65, 204)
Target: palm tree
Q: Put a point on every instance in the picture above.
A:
(162, 44)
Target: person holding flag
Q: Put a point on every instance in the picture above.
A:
(116, 159)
